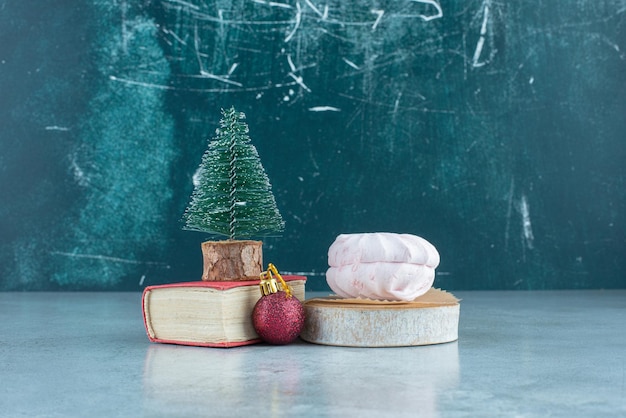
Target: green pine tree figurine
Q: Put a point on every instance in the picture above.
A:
(233, 196)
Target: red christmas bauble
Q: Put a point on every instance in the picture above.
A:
(278, 318)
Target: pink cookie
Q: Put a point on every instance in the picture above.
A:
(382, 266)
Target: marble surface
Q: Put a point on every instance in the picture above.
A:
(519, 354)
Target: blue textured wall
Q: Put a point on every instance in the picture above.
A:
(495, 130)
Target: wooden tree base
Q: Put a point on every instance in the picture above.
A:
(432, 318)
(232, 260)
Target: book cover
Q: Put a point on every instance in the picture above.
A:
(206, 313)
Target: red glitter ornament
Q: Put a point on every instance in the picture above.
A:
(278, 317)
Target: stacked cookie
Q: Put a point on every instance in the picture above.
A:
(381, 266)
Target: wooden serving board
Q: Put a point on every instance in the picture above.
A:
(433, 318)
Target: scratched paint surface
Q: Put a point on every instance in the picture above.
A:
(495, 130)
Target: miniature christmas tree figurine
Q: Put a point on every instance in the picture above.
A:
(233, 198)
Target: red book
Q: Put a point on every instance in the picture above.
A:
(206, 313)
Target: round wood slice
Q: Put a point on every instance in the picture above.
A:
(433, 318)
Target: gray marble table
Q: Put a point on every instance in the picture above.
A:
(519, 354)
